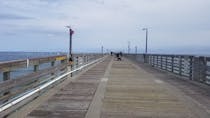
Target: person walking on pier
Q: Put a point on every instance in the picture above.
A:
(118, 55)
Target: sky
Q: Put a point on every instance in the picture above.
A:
(175, 26)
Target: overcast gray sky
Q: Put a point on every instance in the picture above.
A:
(175, 26)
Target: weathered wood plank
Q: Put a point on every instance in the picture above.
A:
(74, 99)
(12, 65)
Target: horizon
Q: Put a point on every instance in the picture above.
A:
(116, 51)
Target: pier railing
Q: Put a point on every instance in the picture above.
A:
(21, 76)
(195, 68)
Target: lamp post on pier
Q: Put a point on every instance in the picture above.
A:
(129, 47)
(136, 49)
(102, 49)
(146, 29)
(71, 32)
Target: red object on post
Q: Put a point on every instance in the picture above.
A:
(71, 32)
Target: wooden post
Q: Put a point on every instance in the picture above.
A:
(145, 58)
(161, 62)
(36, 68)
(172, 63)
(144, 55)
(62, 61)
(156, 60)
(77, 62)
(6, 76)
(150, 59)
(87, 58)
(52, 64)
(191, 67)
(166, 63)
(180, 65)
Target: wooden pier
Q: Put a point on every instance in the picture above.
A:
(131, 88)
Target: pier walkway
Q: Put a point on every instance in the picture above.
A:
(124, 89)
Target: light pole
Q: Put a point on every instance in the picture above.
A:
(136, 49)
(129, 44)
(71, 32)
(102, 49)
(146, 29)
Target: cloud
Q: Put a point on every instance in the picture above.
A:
(112, 23)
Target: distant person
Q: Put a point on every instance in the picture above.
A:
(118, 57)
(70, 61)
(111, 53)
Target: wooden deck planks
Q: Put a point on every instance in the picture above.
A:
(134, 93)
(73, 100)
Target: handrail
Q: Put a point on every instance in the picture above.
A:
(25, 79)
(9, 65)
(13, 102)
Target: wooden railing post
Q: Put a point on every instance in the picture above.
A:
(85, 59)
(36, 68)
(65, 61)
(135, 57)
(180, 65)
(191, 67)
(146, 58)
(153, 59)
(161, 62)
(150, 59)
(6, 76)
(172, 63)
(77, 62)
(62, 61)
(156, 60)
(166, 58)
(52, 65)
